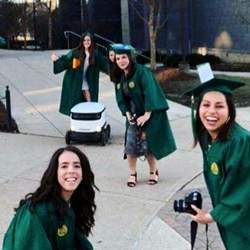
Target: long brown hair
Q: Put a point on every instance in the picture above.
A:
(91, 49)
(200, 130)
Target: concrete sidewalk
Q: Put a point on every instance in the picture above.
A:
(138, 218)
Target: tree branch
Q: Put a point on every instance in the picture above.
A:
(138, 12)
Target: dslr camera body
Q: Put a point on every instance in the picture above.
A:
(184, 205)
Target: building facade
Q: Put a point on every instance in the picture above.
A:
(221, 24)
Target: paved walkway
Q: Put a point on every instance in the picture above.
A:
(140, 218)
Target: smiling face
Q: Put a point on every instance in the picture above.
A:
(213, 112)
(69, 173)
(122, 61)
(87, 42)
(111, 55)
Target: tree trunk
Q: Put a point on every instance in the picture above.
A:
(24, 28)
(152, 35)
(49, 26)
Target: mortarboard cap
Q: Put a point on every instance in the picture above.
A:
(221, 85)
(209, 83)
(120, 48)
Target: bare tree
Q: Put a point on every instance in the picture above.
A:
(50, 6)
(154, 21)
(16, 19)
(9, 20)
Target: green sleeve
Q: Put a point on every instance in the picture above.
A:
(25, 232)
(120, 99)
(102, 63)
(154, 96)
(63, 63)
(83, 241)
(233, 210)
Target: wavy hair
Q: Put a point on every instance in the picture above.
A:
(91, 49)
(83, 198)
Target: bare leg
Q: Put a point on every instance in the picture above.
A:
(86, 95)
(132, 168)
(153, 178)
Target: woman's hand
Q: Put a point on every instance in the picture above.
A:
(144, 118)
(54, 57)
(202, 216)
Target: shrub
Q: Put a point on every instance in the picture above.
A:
(172, 60)
(195, 59)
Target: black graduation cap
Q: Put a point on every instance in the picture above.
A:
(209, 83)
(221, 85)
(121, 48)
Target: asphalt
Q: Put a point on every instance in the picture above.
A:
(139, 218)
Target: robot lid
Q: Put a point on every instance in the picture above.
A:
(88, 108)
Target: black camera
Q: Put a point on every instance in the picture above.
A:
(184, 205)
(133, 119)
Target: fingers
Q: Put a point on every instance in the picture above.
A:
(201, 216)
(142, 119)
(196, 209)
(54, 57)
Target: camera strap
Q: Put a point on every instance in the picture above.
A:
(193, 233)
(206, 236)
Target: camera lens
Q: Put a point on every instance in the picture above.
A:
(179, 206)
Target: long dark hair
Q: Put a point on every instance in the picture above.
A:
(82, 200)
(115, 72)
(91, 49)
(200, 130)
(131, 67)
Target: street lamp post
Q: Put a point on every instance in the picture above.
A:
(34, 23)
(82, 15)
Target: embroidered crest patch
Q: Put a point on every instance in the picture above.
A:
(62, 231)
(131, 85)
(214, 168)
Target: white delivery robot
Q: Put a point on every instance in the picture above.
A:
(88, 124)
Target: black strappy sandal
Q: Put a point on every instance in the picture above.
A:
(132, 183)
(155, 180)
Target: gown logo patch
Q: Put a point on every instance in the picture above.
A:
(62, 231)
(131, 85)
(214, 168)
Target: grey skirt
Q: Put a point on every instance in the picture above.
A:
(135, 145)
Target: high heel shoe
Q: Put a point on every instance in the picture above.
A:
(132, 180)
(153, 180)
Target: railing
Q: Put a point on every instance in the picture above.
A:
(67, 34)
(8, 108)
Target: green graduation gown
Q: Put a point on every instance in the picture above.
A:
(41, 229)
(147, 95)
(227, 175)
(72, 82)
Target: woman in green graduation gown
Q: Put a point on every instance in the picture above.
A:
(226, 153)
(142, 101)
(81, 80)
(60, 213)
